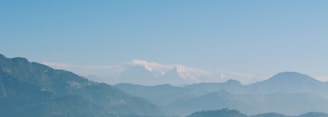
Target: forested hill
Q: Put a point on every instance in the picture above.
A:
(35, 90)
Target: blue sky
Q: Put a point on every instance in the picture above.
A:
(253, 36)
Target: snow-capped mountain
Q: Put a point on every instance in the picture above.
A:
(151, 73)
(155, 73)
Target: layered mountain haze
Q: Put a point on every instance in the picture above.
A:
(33, 89)
(286, 93)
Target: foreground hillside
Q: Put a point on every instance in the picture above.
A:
(35, 90)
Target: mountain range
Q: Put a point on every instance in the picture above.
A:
(35, 90)
(285, 92)
(143, 72)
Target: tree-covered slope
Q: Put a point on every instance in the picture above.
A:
(33, 89)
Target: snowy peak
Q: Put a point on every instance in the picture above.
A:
(180, 71)
(151, 66)
(153, 72)
(189, 73)
(179, 68)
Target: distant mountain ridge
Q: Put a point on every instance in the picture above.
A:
(285, 92)
(32, 89)
(235, 113)
(143, 72)
(288, 82)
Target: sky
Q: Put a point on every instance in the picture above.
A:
(258, 37)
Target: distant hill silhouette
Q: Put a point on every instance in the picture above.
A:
(235, 113)
(289, 82)
(218, 113)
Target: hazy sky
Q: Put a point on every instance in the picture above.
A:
(249, 36)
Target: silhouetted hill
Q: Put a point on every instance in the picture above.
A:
(218, 113)
(33, 89)
(288, 82)
(199, 89)
(269, 115)
(235, 113)
(314, 114)
(160, 94)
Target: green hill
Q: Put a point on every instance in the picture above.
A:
(35, 90)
